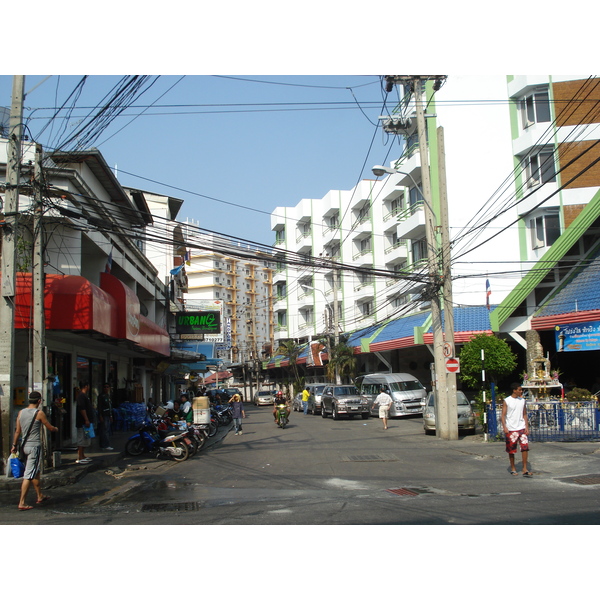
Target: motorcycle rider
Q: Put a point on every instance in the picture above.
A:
(173, 414)
(279, 400)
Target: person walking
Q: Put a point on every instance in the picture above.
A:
(237, 410)
(516, 427)
(29, 425)
(305, 397)
(384, 401)
(83, 417)
(105, 417)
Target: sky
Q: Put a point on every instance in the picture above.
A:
(232, 147)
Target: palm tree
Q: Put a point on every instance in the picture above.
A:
(342, 360)
(291, 350)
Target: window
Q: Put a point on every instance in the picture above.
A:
(419, 250)
(282, 318)
(366, 309)
(545, 231)
(415, 200)
(365, 245)
(333, 221)
(535, 108)
(540, 168)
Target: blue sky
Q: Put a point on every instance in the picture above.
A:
(232, 147)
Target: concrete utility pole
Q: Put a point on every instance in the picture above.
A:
(446, 410)
(336, 324)
(451, 407)
(9, 232)
(442, 425)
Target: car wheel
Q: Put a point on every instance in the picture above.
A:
(334, 413)
(365, 415)
(323, 413)
(429, 431)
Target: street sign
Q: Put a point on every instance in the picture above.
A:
(448, 350)
(452, 365)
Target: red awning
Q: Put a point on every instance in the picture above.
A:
(73, 303)
(70, 302)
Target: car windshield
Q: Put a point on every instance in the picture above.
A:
(405, 386)
(461, 399)
(319, 390)
(345, 391)
(264, 393)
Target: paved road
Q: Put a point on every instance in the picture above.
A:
(320, 471)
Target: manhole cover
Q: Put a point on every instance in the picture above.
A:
(403, 492)
(583, 479)
(171, 507)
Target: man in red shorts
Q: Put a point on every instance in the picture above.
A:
(516, 427)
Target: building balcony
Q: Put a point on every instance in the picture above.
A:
(396, 251)
(412, 225)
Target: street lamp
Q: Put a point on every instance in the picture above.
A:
(380, 171)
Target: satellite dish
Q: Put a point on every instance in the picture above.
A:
(4, 121)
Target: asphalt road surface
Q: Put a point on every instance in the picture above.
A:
(324, 472)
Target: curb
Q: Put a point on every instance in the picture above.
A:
(71, 473)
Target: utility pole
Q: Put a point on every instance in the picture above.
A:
(442, 425)
(451, 407)
(38, 333)
(8, 287)
(336, 318)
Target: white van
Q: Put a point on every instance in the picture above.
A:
(405, 389)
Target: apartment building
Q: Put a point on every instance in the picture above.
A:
(556, 149)
(352, 233)
(238, 279)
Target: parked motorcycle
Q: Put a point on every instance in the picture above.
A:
(172, 444)
(223, 414)
(282, 416)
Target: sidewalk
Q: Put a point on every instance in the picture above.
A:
(70, 472)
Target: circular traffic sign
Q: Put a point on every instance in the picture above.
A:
(452, 365)
(448, 350)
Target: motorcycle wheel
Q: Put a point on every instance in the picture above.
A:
(135, 447)
(192, 446)
(212, 429)
(200, 440)
(185, 453)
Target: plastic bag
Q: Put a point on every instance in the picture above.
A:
(89, 431)
(17, 468)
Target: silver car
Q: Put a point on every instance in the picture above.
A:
(297, 403)
(339, 400)
(314, 400)
(466, 418)
(264, 397)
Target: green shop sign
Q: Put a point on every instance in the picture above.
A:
(205, 321)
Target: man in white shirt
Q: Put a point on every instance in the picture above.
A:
(384, 401)
(516, 427)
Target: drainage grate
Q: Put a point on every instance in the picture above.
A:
(370, 457)
(171, 507)
(583, 479)
(403, 492)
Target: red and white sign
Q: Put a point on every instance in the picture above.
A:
(452, 365)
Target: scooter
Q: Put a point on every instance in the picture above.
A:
(281, 416)
(172, 444)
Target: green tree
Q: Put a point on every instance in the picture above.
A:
(341, 357)
(500, 360)
(291, 350)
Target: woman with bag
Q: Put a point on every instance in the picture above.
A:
(30, 421)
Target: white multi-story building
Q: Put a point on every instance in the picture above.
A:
(349, 232)
(239, 278)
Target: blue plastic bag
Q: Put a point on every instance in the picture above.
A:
(89, 431)
(17, 468)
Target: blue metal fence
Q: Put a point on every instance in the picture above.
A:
(553, 421)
